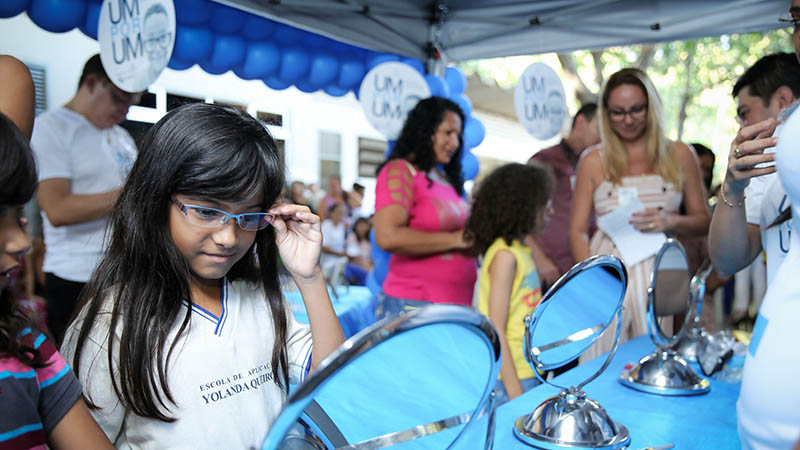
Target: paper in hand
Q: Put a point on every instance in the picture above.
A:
(633, 245)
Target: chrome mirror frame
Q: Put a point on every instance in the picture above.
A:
(300, 407)
(571, 419)
(695, 339)
(664, 372)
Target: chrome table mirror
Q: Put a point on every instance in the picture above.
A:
(573, 314)
(419, 380)
(692, 342)
(664, 371)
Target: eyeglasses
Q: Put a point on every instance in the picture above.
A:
(206, 217)
(789, 20)
(162, 41)
(636, 112)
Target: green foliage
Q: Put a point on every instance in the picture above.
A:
(709, 67)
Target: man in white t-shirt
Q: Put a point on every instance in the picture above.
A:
(83, 157)
(741, 228)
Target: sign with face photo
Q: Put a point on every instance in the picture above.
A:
(388, 93)
(136, 40)
(539, 101)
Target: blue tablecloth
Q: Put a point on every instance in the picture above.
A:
(355, 307)
(695, 422)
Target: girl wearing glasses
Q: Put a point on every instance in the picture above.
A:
(635, 160)
(183, 339)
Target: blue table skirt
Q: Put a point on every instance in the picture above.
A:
(355, 307)
(694, 422)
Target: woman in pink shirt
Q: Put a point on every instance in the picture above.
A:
(420, 212)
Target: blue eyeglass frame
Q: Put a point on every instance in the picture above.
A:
(226, 216)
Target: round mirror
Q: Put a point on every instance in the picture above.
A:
(419, 380)
(575, 311)
(573, 314)
(665, 372)
(668, 295)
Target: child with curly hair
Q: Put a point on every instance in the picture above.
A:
(512, 203)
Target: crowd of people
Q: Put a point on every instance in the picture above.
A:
(162, 261)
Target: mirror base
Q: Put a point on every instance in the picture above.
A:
(570, 420)
(664, 372)
(689, 344)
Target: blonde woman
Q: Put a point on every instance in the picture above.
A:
(635, 158)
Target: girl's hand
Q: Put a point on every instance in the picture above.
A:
(652, 220)
(298, 235)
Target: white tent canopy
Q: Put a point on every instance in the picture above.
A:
(472, 29)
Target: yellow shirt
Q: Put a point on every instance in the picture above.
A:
(526, 293)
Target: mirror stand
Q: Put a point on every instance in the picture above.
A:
(665, 371)
(571, 419)
(693, 341)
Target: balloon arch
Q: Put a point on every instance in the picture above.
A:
(219, 39)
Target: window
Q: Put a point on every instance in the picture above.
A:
(39, 75)
(232, 105)
(275, 120)
(148, 100)
(176, 101)
(330, 155)
(281, 144)
(371, 153)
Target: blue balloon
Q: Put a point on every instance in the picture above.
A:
(284, 34)
(456, 80)
(351, 72)
(470, 166)
(294, 64)
(262, 60)
(58, 16)
(89, 27)
(193, 12)
(305, 86)
(335, 91)
(228, 53)
(314, 40)
(257, 28)
(381, 269)
(437, 86)
(389, 148)
(418, 65)
(10, 8)
(379, 58)
(193, 45)
(176, 64)
(464, 103)
(276, 83)
(474, 132)
(324, 70)
(226, 19)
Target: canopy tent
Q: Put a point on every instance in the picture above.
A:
(471, 29)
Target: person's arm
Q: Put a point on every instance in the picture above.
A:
(695, 221)
(62, 207)
(548, 272)
(733, 243)
(501, 274)
(299, 239)
(582, 204)
(18, 95)
(392, 232)
(78, 430)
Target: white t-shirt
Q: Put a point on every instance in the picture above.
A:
(67, 145)
(333, 237)
(220, 377)
(767, 410)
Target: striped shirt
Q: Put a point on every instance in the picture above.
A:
(33, 401)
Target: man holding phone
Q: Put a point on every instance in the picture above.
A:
(751, 197)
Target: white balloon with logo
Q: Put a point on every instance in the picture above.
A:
(388, 93)
(539, 101)
(136, 41)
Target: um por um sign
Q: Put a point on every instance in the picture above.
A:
(124, 27)
(388, 97)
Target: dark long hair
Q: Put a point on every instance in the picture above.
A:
(508, 204)
(17, 184)
(415, 143)
(199, 150)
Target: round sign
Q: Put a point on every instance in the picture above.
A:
(136, 40)
(540, 102)
(387, 94)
